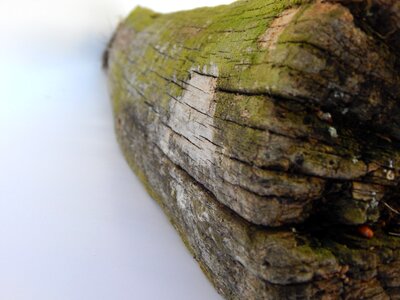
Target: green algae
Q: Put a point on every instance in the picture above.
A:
(200, 39)
(141, 17)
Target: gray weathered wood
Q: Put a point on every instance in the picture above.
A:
(268, 131)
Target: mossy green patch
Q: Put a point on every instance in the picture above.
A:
(199, 39)
(141, 17)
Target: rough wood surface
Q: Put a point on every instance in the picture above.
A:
(268, 131)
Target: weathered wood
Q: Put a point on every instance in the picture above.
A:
(246, 120)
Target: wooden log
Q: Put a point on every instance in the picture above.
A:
(268, 131)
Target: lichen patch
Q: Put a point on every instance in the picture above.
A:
(269, 39)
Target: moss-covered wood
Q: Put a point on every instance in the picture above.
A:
(268, 131)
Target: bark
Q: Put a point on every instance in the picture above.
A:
(268, 131)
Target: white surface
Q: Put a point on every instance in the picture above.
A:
(75, 223)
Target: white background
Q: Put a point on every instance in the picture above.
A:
(75, 223)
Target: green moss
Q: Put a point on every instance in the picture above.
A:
(223, 38)
(201, 38)
(354, 257)
(117, 91)
(208, 39)
(138, 170)
(140, 18)
(353, 215)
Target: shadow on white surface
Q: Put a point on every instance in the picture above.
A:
(75, 223)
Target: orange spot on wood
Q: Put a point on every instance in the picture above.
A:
(366, 231)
